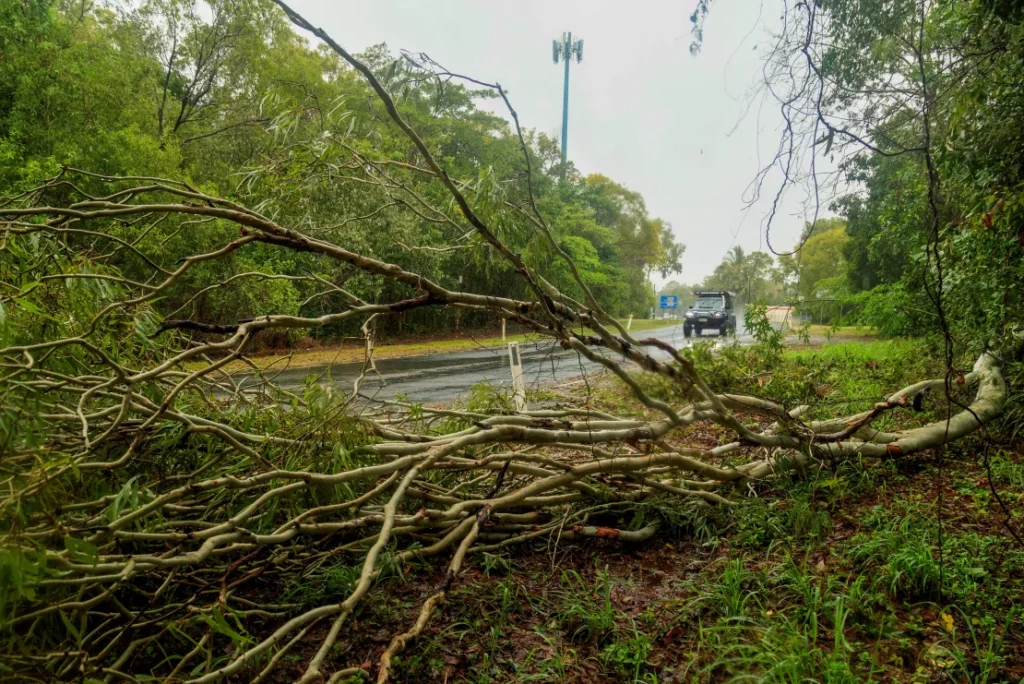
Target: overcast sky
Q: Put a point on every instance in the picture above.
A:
(676, 128)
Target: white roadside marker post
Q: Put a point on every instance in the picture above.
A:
(629, 323)
(518, 388)
(502, 329)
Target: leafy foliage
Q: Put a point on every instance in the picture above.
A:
(226, 95)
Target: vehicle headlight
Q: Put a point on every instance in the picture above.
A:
(719, 314)
(689, 314)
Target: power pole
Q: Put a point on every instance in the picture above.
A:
(565, 49)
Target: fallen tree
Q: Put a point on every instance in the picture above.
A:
(155, 504)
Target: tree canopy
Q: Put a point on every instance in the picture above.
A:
(919, 104)
(226, 95)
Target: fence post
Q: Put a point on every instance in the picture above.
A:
(515, 361)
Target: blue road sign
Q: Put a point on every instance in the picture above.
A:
(669, 302)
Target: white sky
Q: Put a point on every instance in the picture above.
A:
(643, 111)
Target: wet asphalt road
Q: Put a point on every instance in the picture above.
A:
(444, 377)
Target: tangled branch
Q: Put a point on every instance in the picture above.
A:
(155, 500)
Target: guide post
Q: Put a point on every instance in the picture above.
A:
(518, 388)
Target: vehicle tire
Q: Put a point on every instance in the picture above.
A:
(687, 331)
(723, 331)
(697, 330)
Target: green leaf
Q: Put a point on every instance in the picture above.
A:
(82, 551)
(27, 305)
(67, 623)
(219, 624)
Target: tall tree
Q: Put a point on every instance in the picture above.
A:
(821, 257)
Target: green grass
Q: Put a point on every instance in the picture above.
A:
(877, 351)
(588, 614)
(839, 378)
(841, 331)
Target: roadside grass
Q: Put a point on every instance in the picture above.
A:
(353, 352)
(838, 378)
(830, 332)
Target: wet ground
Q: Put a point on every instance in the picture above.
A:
(444, 377)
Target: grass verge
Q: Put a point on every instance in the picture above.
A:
(841, 331)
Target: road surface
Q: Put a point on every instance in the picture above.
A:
(442, 378)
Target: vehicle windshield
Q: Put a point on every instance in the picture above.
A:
(709, 303)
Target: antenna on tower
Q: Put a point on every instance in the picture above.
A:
(565, 49)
